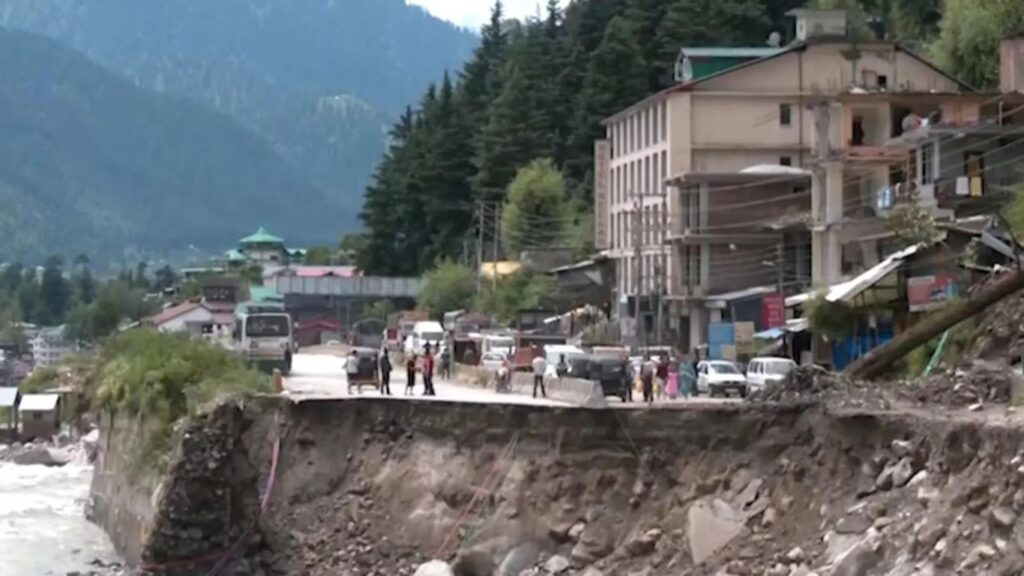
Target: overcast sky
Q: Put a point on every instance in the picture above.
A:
(473, 13)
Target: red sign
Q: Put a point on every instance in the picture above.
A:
(773, 311)
(927, 292)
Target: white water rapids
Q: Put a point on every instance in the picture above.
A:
(43, 529)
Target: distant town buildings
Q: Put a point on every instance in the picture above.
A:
(50, 347)
(263, 248)
(768, 170)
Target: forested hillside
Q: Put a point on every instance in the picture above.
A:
(90, 163)
(320, 81)
(540, 88)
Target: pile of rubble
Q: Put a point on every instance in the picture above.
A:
(972, 385)
(1000, 331)
(814, 384)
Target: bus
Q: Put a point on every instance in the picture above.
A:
(265, 339)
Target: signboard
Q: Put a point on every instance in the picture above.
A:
(773, 311)
(744, 332)
(602, 176)
(927, 292)
(719, 336)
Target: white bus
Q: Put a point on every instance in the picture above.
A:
(265, 339)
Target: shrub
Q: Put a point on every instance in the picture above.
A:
(164, 378)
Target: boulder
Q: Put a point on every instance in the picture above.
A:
(1004, 517)
(643, 544)
(712, 525)
(595, 543)
(434, 568)
(519, 559)
(576, 530)
(902, 472)
(474, 563)
(39, 456)
(557, 564)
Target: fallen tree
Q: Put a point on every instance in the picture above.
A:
(875, 362)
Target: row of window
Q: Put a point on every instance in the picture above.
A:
(644, 176)
(653, 275)
(641, 129)
(654, 231)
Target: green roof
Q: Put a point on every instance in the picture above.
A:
(701, 62)
(235, 256)
(261, 237)
(263, 294)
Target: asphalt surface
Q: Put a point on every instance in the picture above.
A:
(322, 376)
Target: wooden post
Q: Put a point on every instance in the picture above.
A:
(278, 381)
(875, 362)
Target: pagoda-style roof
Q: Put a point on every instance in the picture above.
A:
(261, 237)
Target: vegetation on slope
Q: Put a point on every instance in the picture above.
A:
(91, 163)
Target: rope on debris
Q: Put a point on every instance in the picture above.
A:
(485, 488)
(224, 556)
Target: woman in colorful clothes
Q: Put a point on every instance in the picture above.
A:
(687, 376)
(672, 382)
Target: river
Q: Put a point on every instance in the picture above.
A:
(43, 529)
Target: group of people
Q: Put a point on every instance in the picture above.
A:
(674, 378)
(412, 366)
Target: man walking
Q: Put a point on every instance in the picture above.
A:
(647, 371)
(410, 374)
(428, 372)
(385, 373)
(352, 372)
(540, 365)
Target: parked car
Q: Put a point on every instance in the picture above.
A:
(715, 377)
(492, 361)
(764, 371)
(612, 372)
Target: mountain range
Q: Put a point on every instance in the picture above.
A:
(313, 85)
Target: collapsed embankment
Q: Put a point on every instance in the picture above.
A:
(375, 487)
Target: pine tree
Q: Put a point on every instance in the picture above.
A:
(645, 17)
(481, 76)
(616, 78)
(449, 207)
(380, 214)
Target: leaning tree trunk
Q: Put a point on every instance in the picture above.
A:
(875, 362)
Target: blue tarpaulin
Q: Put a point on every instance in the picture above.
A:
(720, 335)
(770, 334)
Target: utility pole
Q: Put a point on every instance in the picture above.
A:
(497, 243)
(637, 266)
(780, 250)
(480, 250)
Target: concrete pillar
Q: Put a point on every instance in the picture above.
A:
(705, 249)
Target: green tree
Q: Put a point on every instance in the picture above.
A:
(319, 256)
(55, 293)
(140, 278)
(970, 32)
(515, 292)
(481, 77)
(616, 78)
(85, 285)
(28, 296)
(165, 277)
(381, 215)
(449, 286)
(536, 214)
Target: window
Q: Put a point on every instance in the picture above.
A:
(786, 161)
(883, 82)
(927, 164)
(785, 115)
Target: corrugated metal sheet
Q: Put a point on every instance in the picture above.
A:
(8, 397)
(373, 286)
(39, 402)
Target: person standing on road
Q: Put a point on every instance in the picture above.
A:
(410, 374)
(562, 369)
(428, 372)
(647, 371)
(540, 365)
(352, 372)
(446, 363)
(385, 373)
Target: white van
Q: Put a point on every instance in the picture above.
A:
(423, 333)
(554, 352)
(762, 371)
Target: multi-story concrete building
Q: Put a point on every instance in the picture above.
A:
(759, 175)
(50, 347)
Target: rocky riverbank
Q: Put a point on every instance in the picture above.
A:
(375, 488)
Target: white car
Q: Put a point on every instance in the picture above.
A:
(764, 371)
(716, 377)
(492, 361)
